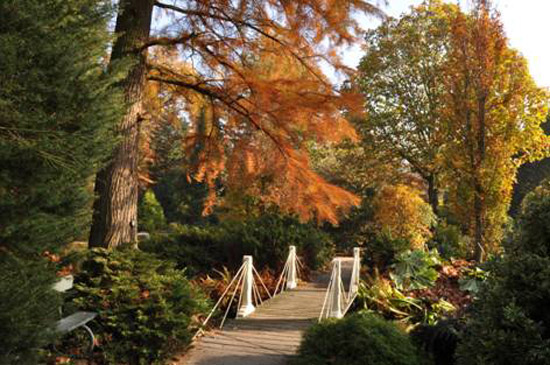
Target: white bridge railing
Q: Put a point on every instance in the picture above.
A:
(246, 282)
(337, 302)
(291, 271)
(249, 284)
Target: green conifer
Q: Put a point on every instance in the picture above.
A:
(58, 106)
(57, 112)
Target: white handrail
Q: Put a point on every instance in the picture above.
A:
(231, 300)
(238, 274)
(249, 293)
(261, 282)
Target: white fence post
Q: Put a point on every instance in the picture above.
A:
(336, 294)
(355, 273)
(247, 306)
(291, 282)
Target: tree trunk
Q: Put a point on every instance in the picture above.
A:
(115, 209)
(478, 224)
(478, 199)
(433, 193)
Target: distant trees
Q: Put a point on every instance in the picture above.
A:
(447, 96)
(224, 41)
(529, 176)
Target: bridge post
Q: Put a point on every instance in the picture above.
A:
(291, 281)
(336, 293)
(247, 307)
(355, 272)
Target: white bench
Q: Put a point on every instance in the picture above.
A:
(75, 320)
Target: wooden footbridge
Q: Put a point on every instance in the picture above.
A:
(270, 333)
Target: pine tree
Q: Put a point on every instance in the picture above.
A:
(57, 111)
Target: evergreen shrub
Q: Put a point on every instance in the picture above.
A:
(381, 251)
(266, 238)
(358, 339)
(150, 213)
(29, 308)
(439, 340)
(509, 323)
(147, 308)
(58, 106)
(449, 241)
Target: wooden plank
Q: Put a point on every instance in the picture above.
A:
(271, 335)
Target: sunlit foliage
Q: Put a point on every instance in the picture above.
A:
(402, 212)
(494, 110)
(256, 66)
(400, 77)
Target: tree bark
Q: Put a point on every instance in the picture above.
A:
(433, 193)
(114, 218)
(478, 224)
(478, 199)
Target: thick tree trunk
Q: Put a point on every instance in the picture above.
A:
(115, 208)
(433, 193)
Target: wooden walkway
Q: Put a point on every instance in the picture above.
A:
(270, 335)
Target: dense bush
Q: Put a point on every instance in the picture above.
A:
(359, 339)
(402, 211)
(439, 340)
(381, 251)
(195, 248)
(266, 238)
(449, 241)
(379, 295)
(509, 323)
(150, 213)
(146, 307)
(28, 308)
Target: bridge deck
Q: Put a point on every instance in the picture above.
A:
(269, 336)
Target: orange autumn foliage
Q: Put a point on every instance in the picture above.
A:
(494, 111)
(209, 52)
(257, 142)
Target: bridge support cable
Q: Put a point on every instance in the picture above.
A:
(245, 287)
(237, 277)
(337, 302)
(291, 270)
(233, 297)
